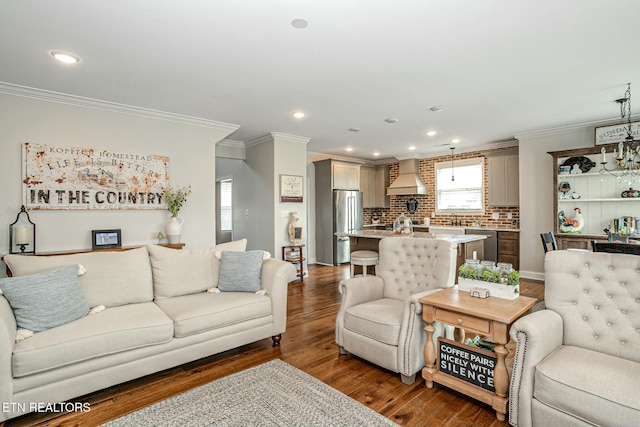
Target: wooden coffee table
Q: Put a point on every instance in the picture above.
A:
(486, 317)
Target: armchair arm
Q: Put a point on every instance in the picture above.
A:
(275, 276)
(7, 337)
(356, 291)
(537, 335)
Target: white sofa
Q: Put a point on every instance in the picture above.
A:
(162, 310)
(577, 363)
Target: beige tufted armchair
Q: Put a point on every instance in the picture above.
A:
(380, 318)
(577, 363)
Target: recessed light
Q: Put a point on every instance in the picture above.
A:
(299, 23)
(298, 114)
(436, 108)
(376, 154)
(455, 140)
(431, 132)
(412, 148)
(65, 58)
(391, 120)
(354, 130)
(349, 149)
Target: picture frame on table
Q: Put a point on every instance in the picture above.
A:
(105, 239)
(291, 188)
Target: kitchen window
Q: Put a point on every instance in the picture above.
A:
(465, 193)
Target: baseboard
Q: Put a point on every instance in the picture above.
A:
(532, 275)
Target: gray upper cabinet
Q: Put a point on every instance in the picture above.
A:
(374, 181)
(345, 176)
(504, 179)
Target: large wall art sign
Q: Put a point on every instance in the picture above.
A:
(56, 177)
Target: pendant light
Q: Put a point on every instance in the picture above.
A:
(453, 178)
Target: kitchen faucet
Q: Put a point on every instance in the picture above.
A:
(455, 220)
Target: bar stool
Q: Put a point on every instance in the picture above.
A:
(364, 259)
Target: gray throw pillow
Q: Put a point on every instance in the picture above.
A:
(45, 300)
(240, 271)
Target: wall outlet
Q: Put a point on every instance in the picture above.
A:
(433, 214)
(495, 215)
(284, 214)
(246, 212)
(509, 215)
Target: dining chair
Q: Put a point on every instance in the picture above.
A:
(548, 239)
(618, 248)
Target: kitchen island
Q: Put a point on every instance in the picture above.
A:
(370, 240)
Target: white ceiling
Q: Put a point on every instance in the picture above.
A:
(499, 68)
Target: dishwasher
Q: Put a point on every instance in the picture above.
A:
(490, 244)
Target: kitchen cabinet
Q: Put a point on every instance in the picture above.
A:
(368, 186)
(509, 248)
(345, 176)
(504, 178)
(382, 182)
(373, 184)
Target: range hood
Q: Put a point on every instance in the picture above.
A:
(409, 181)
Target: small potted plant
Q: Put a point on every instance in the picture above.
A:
(175, 199)
(501, 281)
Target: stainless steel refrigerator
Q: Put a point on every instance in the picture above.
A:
(347, 216)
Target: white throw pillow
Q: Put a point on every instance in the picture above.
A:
(187, 271)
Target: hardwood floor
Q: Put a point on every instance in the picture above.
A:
(308, 345)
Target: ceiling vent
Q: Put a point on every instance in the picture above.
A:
(409, 181)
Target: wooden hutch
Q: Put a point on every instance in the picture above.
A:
(598, 195)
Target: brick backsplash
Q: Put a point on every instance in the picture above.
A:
(427, 204)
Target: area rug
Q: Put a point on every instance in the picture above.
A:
(272, 394)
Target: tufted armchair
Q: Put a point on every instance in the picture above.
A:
(380, 317)
(578, 361)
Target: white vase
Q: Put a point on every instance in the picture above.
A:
(174, 229)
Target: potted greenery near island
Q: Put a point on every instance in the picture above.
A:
(500, 280)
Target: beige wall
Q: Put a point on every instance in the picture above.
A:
(537, 192)
(66, 121)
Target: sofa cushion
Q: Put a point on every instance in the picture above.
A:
(379, 320)
(114, 330)
(45, 300)
(240, 271)
(112, 278)
(187, 271)
(206, 311)
(565, 380)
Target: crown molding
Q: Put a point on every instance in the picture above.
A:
(277, 136)
(230, 143)
(79, 101)
(565, 129)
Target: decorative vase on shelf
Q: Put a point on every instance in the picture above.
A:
(174, 229)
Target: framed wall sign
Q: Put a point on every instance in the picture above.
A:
(102, 239)
(291, 187)
(297, 233)
(616, 133)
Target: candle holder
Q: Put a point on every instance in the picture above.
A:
(22, 234)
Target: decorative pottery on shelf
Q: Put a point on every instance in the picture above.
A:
(174, 229)
(630, 193)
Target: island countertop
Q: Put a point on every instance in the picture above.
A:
(381, 234)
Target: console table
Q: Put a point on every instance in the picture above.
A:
(81, 251)
(487, 317)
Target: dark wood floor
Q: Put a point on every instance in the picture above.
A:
(308, 345)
